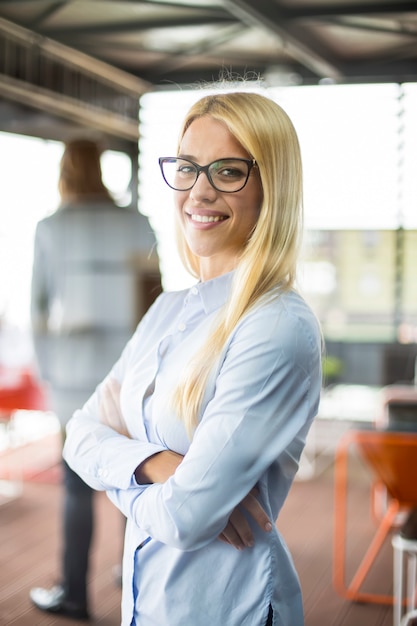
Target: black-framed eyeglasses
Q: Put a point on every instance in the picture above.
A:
(225, 175)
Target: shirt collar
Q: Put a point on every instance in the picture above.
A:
(215, 292)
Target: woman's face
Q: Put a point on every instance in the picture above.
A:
(219, 242)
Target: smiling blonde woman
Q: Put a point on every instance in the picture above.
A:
(197, 431)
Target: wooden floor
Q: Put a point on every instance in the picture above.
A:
(29, 549)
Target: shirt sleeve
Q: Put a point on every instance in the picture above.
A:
(103, 458)
(266, 394)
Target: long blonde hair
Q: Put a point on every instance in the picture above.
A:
(269, 258)
(80, 176)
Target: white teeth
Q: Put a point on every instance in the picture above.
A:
(207, 218)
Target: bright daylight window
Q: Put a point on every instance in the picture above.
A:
(29, 192)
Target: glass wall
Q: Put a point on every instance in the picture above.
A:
(29, 191)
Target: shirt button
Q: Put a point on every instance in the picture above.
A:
(194, 291)
(181, 327)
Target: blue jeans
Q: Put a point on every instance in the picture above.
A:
(77, 535)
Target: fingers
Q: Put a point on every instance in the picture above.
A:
(258, 514)
(223, 538)
(237, 531)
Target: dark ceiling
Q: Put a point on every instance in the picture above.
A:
(85, 62)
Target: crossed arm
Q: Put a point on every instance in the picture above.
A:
(162, 465)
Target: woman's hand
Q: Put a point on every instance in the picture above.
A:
(110, 413)
(237, 532)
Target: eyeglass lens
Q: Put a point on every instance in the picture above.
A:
(226, 175)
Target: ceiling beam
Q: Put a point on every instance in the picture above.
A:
(181, 58)
(372, 27)
(357, 72)
(67, 83)
(320, 11)
(302, 46)
(105, 72)
(68, 108)
(134, 26)
(47, 12)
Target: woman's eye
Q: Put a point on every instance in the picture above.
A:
(186, 170)
(230, 172)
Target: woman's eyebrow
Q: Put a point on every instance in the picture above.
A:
(190, 157)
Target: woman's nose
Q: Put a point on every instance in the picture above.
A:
(203, 189)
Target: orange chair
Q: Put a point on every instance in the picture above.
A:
(392, 459)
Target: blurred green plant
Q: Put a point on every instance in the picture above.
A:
(332, 369)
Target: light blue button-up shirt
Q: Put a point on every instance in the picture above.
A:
(259, 404)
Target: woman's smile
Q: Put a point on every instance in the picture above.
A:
(206, 219)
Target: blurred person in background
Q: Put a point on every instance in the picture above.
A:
(83, 311)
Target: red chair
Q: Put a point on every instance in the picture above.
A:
(392, 459)
(19, 390)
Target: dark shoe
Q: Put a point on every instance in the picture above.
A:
(53, 601)
(409, 528)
